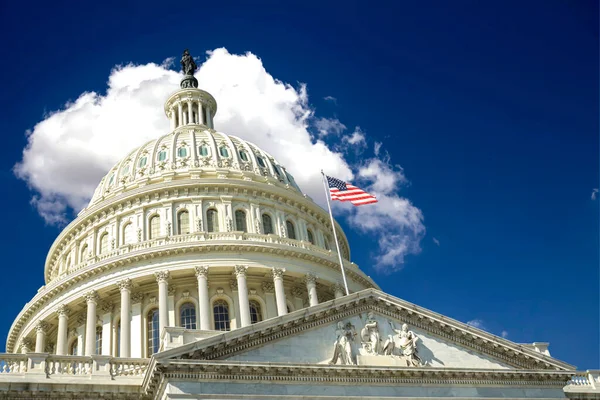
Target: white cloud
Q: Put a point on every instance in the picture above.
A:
(594, 194)
(504, 334)
(436, 241)
(357, 138)
(377, 148)
(70, 150)
(327, 126)
(330, 98)
(476, 323)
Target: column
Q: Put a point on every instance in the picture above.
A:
(203, 300)
(240, 274)
(106, 317)
(338, 290)
(91, 299)
(62, 335)
(125, 339)
(311, 286)
(179, 114)
(208, 118)
(40, 336)
(190, 113)
(135, 343)
(172, 118)
(279, 291)
(269, 290)
(200, 113)
(162, 278)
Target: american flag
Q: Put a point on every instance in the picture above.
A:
(343, 191)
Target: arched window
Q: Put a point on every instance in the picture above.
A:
(182, 152)
(255, 312)
(310, 235)
(83, 255)
(291, 232)
(162, 155)
(187, 316)
(221, 315)
(104, 247)
(326, 243)
(203, 150)
(128, 234)
(154, 227)
(98, 340)
(212, 222)
(240, 221)
(183, 222)
(73, 348)
(267, 224)
(153, 332)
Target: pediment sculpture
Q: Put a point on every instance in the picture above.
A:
(342, 347)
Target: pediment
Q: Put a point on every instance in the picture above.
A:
(310, 336)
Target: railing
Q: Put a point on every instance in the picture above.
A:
(584, 382)
(55, 367)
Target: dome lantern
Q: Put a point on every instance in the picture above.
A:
(190, 105)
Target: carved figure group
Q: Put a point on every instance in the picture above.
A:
(407, 345)
(342, 348)
(370, 335)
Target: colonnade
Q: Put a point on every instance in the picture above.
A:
(162, 279)
(181, 117)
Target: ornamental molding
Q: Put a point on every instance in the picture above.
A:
(63, 310)
(162, 276)
(259, 334)
(195, 370)
(268, 287)
(91, 297)
(240, 271)
(278, 273)
(42, 327)
(124, 284)
(201, 271)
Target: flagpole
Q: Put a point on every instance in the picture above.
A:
(337, 246)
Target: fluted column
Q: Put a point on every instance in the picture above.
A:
(61, 336)
(125, 339)
(240, 274)
(91, 299)
(179, 114)
(190, 113)
(172, 117)
(279, 291)
(311, 286)
(203, 300)
(162, 278)
(200, 113)
(338, 290)
(40, 336)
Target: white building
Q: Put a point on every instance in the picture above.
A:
(200, 270)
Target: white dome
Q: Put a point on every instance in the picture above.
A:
(192, 151)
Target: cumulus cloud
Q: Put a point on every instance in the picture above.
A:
(594, 194)
(357, 138)
(70, 150)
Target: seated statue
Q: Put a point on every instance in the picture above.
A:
(370, 335)
(342, 348)
(407, 345)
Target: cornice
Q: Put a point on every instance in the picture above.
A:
(341, 374)
(179, 189)
(174, 247)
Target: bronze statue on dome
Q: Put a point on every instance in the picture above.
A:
(187, 63)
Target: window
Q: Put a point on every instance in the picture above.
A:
(255, 312)
(187, 316)
(311, 238)
(128, 234)
(267, 224)
(154, 227)
(104, 246)
(126, 169)
(243, 155)
(221, 315)
(111, 179)
(153, 332)
(182, 152)
(326, 243)
(277, 171)
(73, 348)
(291, 232)
(203, 150)
(143, 162)
(98, 340)
(261, 162)
(224, 152)
(240, 221)
(183, 222)
(84, 253)
(162, 155)
(212, 223)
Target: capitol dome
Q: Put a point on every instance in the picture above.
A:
(195, 229)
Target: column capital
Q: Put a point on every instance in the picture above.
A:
(201, 270)
(161, 276)
(125, 284)
(310, 279)
(107, 307)
(338, 287)
(26, 345)
(277, 273)
(41, 326)
(63, 310)
(91, 297)
(268, 287)
(241, 270)
(137, 297)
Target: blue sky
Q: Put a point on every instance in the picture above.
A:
(490, 109)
